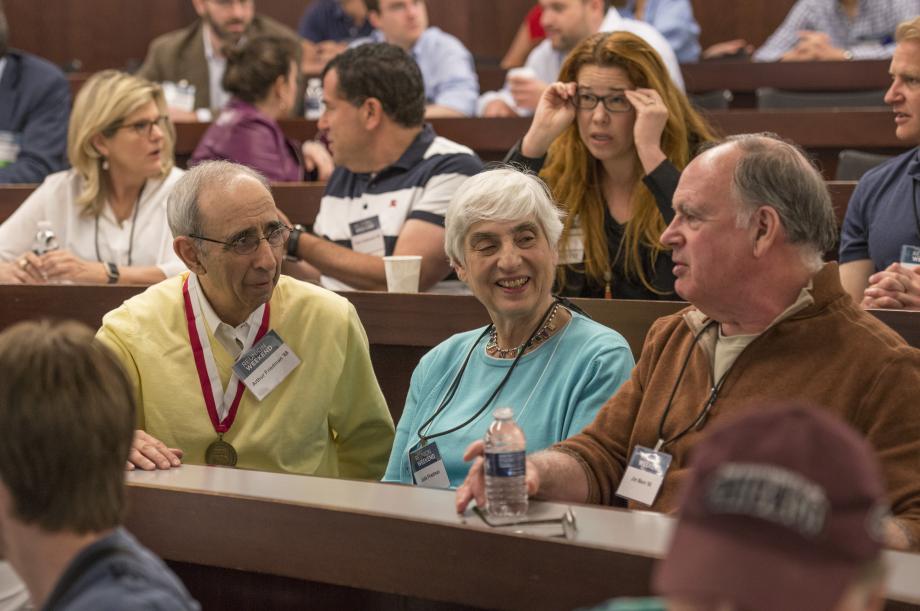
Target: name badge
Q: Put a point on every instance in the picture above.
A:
(179, 95)
(264, 366)
(428, 468)
(573, 249)
(367, 236)
(9, 148)
(910, 256)
(644, 475)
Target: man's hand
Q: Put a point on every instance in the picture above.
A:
(814, 46)
(64, 265)
(738, 46)
(526, 91)
(496, 109)
(897, 287)
(149, 453)
(316, 157)
(474, 486)
(178, 115)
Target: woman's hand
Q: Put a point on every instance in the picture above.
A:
(316, 157)
(58, 265)
(651, 117)
(555, 112)
(18, 272)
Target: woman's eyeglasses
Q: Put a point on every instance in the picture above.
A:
(616, 102)
(142, 128)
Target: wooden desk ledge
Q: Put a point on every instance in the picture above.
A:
(405, 540)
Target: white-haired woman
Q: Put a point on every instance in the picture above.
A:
(108, 212)
(553, 366)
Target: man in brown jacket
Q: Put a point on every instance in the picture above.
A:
(192, 62)
(768, 322)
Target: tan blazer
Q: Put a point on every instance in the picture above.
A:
(179, 55)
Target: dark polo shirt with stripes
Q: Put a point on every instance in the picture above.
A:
(366, 212)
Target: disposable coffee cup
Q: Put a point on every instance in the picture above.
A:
(403, 273)
(522, 73)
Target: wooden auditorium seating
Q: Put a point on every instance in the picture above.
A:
(821, 132)
(400, 327)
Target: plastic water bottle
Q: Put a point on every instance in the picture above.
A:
(505, 466)
(45, 240)
(313, 99)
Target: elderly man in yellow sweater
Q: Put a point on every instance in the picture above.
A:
(236, 365)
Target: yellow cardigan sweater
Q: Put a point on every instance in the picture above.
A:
(328, 417)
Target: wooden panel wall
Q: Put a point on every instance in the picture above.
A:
(115, 33)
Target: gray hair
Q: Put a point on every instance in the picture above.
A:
(777, 173)
(182, 209)
(501, 194)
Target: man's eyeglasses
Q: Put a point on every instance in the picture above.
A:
(616, 102)
(248, 243)
(143, 128)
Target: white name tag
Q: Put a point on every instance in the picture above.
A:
(264, 366)
(644, 475)
(910, 256)
(367, 237)
(179, 95)
(9, 148)
(428, 468)
(573, 249)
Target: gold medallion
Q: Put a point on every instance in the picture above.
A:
(220, 453)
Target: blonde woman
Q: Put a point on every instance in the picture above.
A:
(108, 212)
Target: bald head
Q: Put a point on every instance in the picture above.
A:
(771, 172)
(183, 207)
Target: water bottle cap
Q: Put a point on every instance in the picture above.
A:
(503, 413)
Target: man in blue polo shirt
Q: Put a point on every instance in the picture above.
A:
(393, 179)
(880, 240)
(451, 84)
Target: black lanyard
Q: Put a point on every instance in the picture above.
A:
(700, 421)
(916, 207)
(137, 206)
(455, 384)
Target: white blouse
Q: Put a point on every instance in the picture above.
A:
(55, 201)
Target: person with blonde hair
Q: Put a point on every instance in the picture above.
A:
(107, 213)
(880, 237)
(610, 139)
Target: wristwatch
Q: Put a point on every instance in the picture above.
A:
(292, 242)
(111, 272)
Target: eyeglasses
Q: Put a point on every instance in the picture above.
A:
(616, 102)
(143, 128)
(249, 242)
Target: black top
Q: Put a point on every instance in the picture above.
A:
(662, 182)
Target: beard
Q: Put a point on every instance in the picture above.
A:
(229, 39)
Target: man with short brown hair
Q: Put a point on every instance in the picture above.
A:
(62, 396)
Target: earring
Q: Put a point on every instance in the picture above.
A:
(105, 164)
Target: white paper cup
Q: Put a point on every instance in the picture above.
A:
(522, 73)
(403, 273)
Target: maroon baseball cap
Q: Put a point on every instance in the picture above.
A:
(783, 510)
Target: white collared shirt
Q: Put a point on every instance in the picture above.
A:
(217, 64)
(232, 339)
(55, 201)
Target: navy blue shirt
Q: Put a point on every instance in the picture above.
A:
(883, 213)
(118, 573)
(325, 20)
